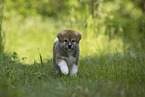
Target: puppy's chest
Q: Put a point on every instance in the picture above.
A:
(70, 59)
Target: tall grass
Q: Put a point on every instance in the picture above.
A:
(1, 32)
(106, 29)
(108, 75)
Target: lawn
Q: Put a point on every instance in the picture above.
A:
(120, 75)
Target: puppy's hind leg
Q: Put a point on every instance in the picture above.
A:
(63, 67)
(56, 72)
(56, 68)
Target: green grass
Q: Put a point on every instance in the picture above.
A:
(32, 36)
(110, 75)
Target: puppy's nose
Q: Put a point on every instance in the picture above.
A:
(69, 45)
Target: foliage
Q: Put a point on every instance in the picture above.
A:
(140, 3)
(1, 32)
(115, 25)
(34, 7)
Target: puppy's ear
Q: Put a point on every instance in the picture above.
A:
(60, 36)
(78, 36)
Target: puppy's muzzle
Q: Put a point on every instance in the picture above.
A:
(69, 46)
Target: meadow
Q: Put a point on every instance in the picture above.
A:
(112, 60)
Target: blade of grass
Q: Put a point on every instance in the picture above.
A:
(41, 60)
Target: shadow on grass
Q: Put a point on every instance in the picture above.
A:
(90, 67)
(105, 75)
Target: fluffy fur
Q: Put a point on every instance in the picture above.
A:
(66, 52)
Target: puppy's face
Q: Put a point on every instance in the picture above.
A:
(69, 39)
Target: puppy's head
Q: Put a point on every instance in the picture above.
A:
(69, 39)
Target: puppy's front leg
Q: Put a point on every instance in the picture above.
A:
(74, 70)
(63, 67)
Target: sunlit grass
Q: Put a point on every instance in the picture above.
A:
(32, 36)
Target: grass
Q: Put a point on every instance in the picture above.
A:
(120, 75)
(44, 33)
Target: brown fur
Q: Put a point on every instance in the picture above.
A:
(69, 34)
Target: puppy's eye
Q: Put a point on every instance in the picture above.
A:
(65, 40)
(73, 41)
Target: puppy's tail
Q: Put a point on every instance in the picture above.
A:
(56, 40)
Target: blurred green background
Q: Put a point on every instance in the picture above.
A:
(107, 26)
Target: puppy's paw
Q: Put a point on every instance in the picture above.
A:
(64, 70)
(73, 74)
(74, 70)
(63, 67)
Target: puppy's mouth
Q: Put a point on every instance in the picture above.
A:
(69, 47)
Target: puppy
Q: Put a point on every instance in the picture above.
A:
(66, 52)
